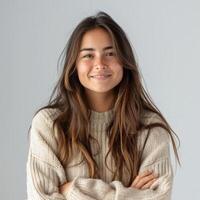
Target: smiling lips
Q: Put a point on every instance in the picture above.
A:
(100, 76)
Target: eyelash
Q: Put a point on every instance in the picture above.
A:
(86, 56)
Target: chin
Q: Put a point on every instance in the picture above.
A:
(100, 90)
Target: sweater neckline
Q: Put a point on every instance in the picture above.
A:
(101, 117)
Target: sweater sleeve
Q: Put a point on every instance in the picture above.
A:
(156, 157)
(44, 171)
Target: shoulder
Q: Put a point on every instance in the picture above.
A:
(156, 141)
(42, 130)
(156, 135)
(43, 143)
(152, 117)
(45, 116)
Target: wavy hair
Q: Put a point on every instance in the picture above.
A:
(131, 102)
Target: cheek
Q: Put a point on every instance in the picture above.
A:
(82, 69)
(118, 69)
(121, 73)
(83, 72)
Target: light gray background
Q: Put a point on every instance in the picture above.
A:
(166, 38)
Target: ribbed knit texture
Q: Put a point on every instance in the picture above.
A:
(45, 173)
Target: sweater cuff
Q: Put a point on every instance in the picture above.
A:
(75, 193)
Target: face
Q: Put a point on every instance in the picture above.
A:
(98, 67)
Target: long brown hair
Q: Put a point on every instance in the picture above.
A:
(131, 102)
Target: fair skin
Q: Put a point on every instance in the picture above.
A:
(99, 71)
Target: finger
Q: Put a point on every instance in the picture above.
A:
(61, 188)
(141, 175)
(145, 173)
(144, 180)
(148, 185)
(135, 181)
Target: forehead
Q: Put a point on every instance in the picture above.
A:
(97, 37)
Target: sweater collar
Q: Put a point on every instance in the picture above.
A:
(101, 117)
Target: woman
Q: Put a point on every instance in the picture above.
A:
(101, 136)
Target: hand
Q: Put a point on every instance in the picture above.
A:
(144, 180)
(65, 187)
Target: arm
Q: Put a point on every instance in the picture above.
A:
(44, 171)
(156, 157)
(45, 174)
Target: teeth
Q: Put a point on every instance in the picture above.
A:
(101, 76)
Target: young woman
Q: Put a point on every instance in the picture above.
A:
(101, 136)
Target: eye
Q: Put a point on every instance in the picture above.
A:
(110, 54)
(88, 56)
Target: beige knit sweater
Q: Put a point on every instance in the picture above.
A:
(45, 173)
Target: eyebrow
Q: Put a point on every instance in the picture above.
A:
(92, 49)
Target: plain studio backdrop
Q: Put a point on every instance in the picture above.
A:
(166, 40)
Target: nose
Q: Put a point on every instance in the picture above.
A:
(99, 63)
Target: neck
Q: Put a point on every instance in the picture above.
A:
(100, 102)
